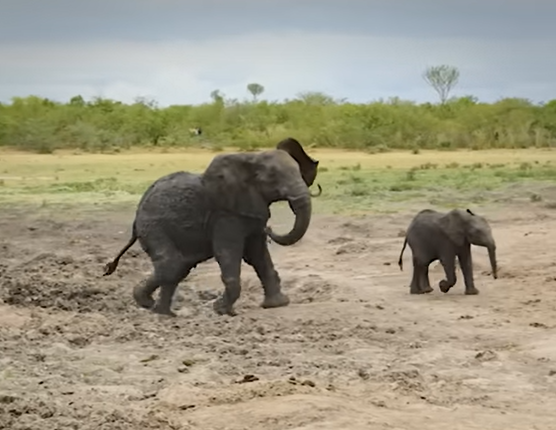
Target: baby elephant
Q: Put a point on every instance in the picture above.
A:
(433, 235)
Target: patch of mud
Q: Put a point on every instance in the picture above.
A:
(237, 392)
(352, 248)
(407, 381)
(62, 282)
(33, 413)
(360, 229)
(34, 290)
(309, 288)
(340, 240)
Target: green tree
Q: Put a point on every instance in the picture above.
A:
(217, 96)
(255, 89)
(443, 79)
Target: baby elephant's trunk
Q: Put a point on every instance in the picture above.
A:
(492, 257)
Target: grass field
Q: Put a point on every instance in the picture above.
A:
(352, 181)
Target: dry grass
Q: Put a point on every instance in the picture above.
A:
(353, 180)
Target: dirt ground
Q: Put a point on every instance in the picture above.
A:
(354, 350)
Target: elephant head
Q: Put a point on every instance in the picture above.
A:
(464, 226)
(247, 183)
(307, 165)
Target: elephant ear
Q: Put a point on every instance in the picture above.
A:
(307, 165)
(230, 181)
(453, 225)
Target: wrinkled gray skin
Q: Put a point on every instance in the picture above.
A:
(184, 219)
(433, 235)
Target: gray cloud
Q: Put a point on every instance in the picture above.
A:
(27, 20)
(177, 51)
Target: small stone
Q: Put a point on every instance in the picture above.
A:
(247, 378)
(149, 358)
(486, 355)
(538, 324)
(363, 374)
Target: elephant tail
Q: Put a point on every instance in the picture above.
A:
(110, 268)
(400, 261)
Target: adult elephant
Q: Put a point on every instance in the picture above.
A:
(184, 219)
(307, 165)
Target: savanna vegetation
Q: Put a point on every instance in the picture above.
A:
(352, 181)
(109, 152)
(102, 125)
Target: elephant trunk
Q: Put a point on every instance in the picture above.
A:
(492, 257)
(300, 204)
(318, 193)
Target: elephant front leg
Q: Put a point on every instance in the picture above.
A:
(257, 255)
(228, 244)
(449, 264)
(466, 263)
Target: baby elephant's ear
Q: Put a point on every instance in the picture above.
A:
(469, 212)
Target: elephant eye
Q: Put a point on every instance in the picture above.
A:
(271, 175)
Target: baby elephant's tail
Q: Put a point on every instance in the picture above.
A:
(400, 261)
(110, 268)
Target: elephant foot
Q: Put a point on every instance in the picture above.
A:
(426, 290)
(444, 286)
(162, 310)
(420, 291)
(471, 291)
(222, 308)
(415, 289)
(276, 301)
(141, 298)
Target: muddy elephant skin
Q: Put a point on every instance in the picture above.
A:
(184, 219)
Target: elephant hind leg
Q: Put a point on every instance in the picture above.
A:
(424, 281)
(167, 275)
(143, 291)
(174, 271)
(418, 269)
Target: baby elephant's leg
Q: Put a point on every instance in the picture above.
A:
(420, 279)
(449, 264)
(424, 282)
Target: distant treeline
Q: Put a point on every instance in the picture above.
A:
(41, 125)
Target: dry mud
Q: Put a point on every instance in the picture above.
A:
(354, 350)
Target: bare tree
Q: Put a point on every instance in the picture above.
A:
(255, 90)
(443, 79)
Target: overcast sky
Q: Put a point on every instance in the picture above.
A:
(178, 51)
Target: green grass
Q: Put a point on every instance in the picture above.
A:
(351, 181)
